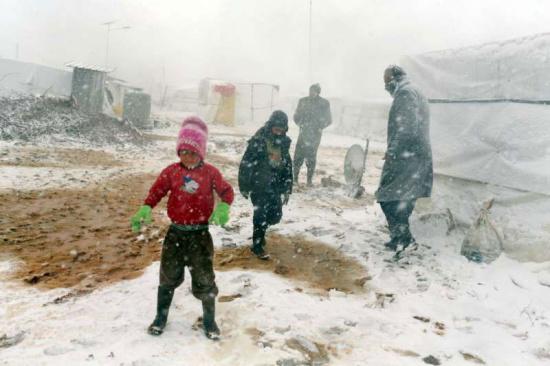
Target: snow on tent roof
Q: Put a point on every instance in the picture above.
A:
(80, 65)
(487, 123)
(513, 69)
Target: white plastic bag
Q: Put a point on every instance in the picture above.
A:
(482, 242)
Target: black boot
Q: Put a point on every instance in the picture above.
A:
(258, 242)
(310, 172)
(392, 244)
(211, 329)
(164, 299)
(295, 176)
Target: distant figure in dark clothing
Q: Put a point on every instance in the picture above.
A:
(408, 171)
(312, 116)
(265, 175)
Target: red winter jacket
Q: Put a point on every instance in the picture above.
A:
(191, 200)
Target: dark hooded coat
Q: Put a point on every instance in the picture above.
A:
(408, 169)
(256, 174)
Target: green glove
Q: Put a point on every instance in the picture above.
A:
(220, 216)
(144, 213)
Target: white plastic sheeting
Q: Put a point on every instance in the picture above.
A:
(28, 78)
(499, 143)
(515, 69)
(499, 136)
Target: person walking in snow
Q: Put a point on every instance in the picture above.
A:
(265, 175)
(312, 116)
(408, 171)
(191, 183)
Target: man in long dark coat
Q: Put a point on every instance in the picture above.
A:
(265, 175)
(312, 116)
(408, 170)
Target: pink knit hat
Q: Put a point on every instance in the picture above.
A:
(192, 136)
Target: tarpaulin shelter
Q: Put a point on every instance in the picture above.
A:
(490, 109)
(225, 113)
(246, 101)
(490, 124)
(28, 78)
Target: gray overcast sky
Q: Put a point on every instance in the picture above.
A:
(259, 40)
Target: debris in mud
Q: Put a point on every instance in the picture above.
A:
(439, 328)
(29, 118)
(338, 349)
(229, 298)
(431, 360)
(472, 358)
(255, 334)
(362, 281)
(315, 353)
(422, 319)
(281, 269)
(383, 299)
(33, 280)
(403, 352)
(9, 341)
(70, 295)
(292, 362)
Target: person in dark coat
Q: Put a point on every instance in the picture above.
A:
(312, 116)
(265, 175)
(408, 170)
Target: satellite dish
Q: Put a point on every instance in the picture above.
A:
(354, 168)
(353, 165)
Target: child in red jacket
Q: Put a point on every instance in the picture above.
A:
(191, 183)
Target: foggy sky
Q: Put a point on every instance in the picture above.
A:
(258, 40)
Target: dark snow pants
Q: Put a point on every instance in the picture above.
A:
(268, 210)
(306, 149)
(397, 214)
(195, 250)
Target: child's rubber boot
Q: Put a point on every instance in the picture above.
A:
(211, 330)
(164, 299)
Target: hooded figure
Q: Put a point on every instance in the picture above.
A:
(312, 116)
(408, 171)
(265, 175)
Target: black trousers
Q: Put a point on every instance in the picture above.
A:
(397, 215)
(268, 210)
(306, 149)
(192, 249)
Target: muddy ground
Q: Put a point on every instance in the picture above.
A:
(56, 158)
(81, 238)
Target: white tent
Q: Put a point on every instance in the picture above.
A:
(28, 78)
(490, 124)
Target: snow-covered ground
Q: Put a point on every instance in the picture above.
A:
(432, 303)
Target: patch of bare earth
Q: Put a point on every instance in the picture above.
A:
(81, 238)
(70, 237)
(56, 157)
(313, 263)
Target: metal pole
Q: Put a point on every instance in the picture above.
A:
(107, 46)
(310, 73)
(271, 102)
(252, 101)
